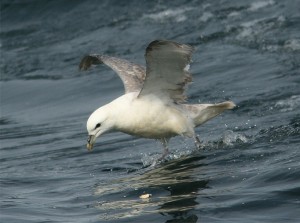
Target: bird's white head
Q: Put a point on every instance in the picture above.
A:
(97, 124)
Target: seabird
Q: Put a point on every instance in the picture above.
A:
(154, 104)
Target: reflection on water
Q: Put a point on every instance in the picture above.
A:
(174, 187)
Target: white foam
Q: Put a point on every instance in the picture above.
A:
(177, 14)
(206, 16)
(261, 4)
(234, 14)
(290, 104)
(292, 44)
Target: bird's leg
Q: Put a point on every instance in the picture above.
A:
(197, 141)
(164, 142)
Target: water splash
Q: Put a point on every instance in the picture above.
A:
(150, 159)
(230, 138)
(153, 160)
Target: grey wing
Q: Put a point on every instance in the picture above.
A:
(167, 70)
(132, 75)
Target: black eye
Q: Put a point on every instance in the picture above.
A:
(98, 125)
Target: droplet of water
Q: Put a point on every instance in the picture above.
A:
(230, 137)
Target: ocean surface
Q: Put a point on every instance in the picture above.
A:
(249, 167)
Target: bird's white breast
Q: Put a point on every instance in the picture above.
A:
(149, 117)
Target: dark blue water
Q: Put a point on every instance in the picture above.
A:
(249, 169)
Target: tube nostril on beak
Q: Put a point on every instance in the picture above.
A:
(89, 139)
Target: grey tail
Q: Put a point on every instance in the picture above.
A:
(201, 113)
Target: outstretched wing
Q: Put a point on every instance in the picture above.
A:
(167, 70)
(132, 75)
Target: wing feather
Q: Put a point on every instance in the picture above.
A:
(167, 75)
(132, 75)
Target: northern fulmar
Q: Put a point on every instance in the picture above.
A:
(154, 104)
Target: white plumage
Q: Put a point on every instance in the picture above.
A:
(153, 104)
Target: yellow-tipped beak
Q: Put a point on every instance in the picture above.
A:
(90, 144)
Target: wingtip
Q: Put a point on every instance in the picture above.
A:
(229, 105)
(87, 61)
